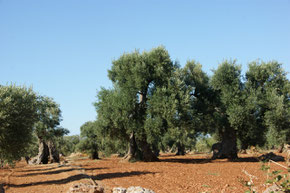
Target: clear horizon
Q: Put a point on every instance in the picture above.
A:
(64, 48)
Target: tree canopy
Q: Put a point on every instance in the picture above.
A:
(49, 118)
(153, 105)
(156, 104)
(136, 78)
(89, 139)
(18, 114)
(24, 115)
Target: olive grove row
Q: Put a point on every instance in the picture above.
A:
(156, 105)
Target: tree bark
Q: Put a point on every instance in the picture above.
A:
(180, 149)
(280, 149)
(133, 152)
(43, 153)
(227, 148)
(156, 150)
(53, 153)
(147, 154)
(95, 155)
(146, 151)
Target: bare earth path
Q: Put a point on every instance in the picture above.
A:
(174, 174)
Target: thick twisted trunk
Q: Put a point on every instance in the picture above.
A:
(133, 152)
(53, 153)
(227, 148)
(156, 150)
(95, 154)
(43, 153)
(147, 154)
(180, 149)
(146, 151)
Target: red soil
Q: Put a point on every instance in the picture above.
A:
(174, 174)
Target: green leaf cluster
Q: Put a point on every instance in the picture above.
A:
(49, 118)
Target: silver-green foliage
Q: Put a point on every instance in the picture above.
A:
(67, 144)
(89, 142)
(269, 87)
(49, 118)
(127, 108)
(18, 114)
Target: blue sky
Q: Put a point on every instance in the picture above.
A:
(64, 48)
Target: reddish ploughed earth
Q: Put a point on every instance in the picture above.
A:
(172, 174)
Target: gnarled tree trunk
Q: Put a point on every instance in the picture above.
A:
(43, 153)
(95, 154)
(227, 148)
(147, 154)
(146, 151)
(133, 152)
(53, 153)
(180, 149)
(156, 150)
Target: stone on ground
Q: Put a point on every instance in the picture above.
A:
(273, 189)
(132, 189)
(85, 188)
(119, 190)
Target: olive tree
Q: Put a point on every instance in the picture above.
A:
(89, 142)
(179, 109)
(67, 144)
(47, 128)
(18, 114)
(136, 76)
(270, 88)
(255, 111)
(227, 84)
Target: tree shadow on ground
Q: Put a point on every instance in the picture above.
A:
(80, 177)
(119, 175)
(42, 169)
(186, 160)
(51, 182)
(88, 169)
(48, 173)
(58, 171)
(246, 159)
(205, 160)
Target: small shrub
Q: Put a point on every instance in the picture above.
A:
(204, 144)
